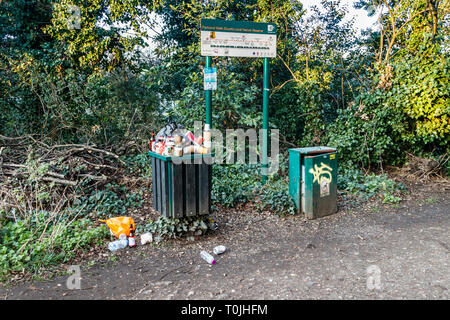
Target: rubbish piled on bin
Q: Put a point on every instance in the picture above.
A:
(175, 140)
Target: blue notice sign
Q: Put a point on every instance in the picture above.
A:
(210, 80)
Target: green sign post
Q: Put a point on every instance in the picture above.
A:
(222, 38)
(208, 97)
(265, 163)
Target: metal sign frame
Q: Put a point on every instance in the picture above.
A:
(221, 38)
(266, 34)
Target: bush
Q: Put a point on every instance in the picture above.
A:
(234, 102)
(71, 106)
(367, 133)
(178, 227)
(302, 118)
(234, 183)
(407, 112)
(42, 241)
(239, 183)
(42, 224)
(275, 197)
(369, 186)
(420, 89)
(111, 201)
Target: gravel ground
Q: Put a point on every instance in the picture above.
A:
(401, 251)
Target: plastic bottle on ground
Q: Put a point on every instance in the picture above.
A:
(207, 257)
(123, 243)
(113, 246)
(116, 245)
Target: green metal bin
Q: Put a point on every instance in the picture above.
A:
(313, 180)
(181, 185)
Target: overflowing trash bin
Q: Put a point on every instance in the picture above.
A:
(313, 180)
(181, 172)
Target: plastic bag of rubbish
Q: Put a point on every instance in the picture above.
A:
(120, 225)
(168, 130)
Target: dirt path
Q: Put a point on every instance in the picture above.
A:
(291, 258)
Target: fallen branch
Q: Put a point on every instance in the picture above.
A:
(14, 138)
(21, 166)
(60, 181)
(95, 178)
(79, 147)
(57, 179)
(97, 166)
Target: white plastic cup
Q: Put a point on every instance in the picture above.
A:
(146, 238)
(219, 250)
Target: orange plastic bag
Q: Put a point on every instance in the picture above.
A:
(120, 225)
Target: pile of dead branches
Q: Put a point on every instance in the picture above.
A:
(423, 169)
(37, 175)
(68, 163)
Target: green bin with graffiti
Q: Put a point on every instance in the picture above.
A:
(313, 180)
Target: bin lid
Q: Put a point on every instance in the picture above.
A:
(313, 150)
(183, 157)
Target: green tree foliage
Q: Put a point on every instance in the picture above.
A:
(21, 38)
(319, 78)
(94, 33)
(412, 64)
(236, 102)
(72, 75)
(368, 131)
(94, 83)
